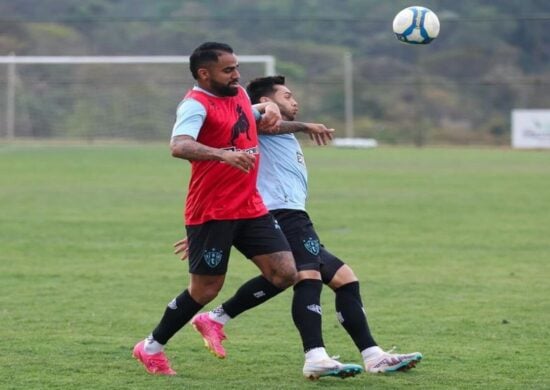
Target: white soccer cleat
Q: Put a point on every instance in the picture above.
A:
(391, 362)
(330, 367)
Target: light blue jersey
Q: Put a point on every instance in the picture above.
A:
(282, 178)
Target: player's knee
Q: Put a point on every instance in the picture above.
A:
(204, 292)
(343, 276)
(286, 275)
(204, 295)
(308, 274)
(286, 281)
(210, 293)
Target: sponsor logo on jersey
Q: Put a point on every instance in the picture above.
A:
(253, 150)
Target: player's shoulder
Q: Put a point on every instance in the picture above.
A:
(189, 105)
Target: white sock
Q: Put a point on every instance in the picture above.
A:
(316, 354)
(371, 353)
(219, 315)
(152, 346)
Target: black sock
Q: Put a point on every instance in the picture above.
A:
(177, 314)
(352, 316)
(251, 294)
(306, 312)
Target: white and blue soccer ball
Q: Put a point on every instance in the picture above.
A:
(416, 25)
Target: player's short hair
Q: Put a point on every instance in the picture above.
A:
(263, 86)
(206, 53)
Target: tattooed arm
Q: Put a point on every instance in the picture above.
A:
(185, 147)
(318, 132)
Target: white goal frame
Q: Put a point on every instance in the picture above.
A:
(12, 60)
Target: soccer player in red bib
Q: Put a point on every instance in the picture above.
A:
(216, 131)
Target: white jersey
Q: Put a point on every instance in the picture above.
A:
(282, 177)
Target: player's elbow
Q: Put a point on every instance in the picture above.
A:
(182, 146)
(176, 149)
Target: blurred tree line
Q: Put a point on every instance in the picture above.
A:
(490, 58)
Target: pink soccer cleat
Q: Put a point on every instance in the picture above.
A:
(157, 363)
(212, 333)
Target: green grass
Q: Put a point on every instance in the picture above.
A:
(452, 247)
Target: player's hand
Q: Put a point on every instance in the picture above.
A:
(241, 160)
(182, 249)
(319, 133)
(271, 118)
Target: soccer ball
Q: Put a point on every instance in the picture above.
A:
(416, 25)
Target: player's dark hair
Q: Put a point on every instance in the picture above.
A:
(206, 53)
(263, 86)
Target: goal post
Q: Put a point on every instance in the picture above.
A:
(268, 60)
(95, 96)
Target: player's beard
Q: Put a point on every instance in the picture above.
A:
(287, 115)
(224, 89)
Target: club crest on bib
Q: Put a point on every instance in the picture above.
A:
(312, 245)
(212, 257)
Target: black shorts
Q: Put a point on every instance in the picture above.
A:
(309, 253)
(210, 243)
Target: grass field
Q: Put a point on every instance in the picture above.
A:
(452, 247)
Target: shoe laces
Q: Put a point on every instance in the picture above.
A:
(394, 357)
(216, 330)
(159, 361)
(336, 360)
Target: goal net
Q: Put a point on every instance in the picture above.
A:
(94, 98)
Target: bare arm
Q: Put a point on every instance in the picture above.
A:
(318, 132)
(185, 147)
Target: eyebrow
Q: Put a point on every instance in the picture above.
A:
(231, 67)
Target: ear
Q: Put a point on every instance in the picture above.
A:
(264, 99)
(203, 74)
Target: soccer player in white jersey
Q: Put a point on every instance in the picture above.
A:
(282, 182)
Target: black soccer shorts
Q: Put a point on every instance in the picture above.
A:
(309, 253)
(210, 243)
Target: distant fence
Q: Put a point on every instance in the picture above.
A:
(93, 97)
(135, 98)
